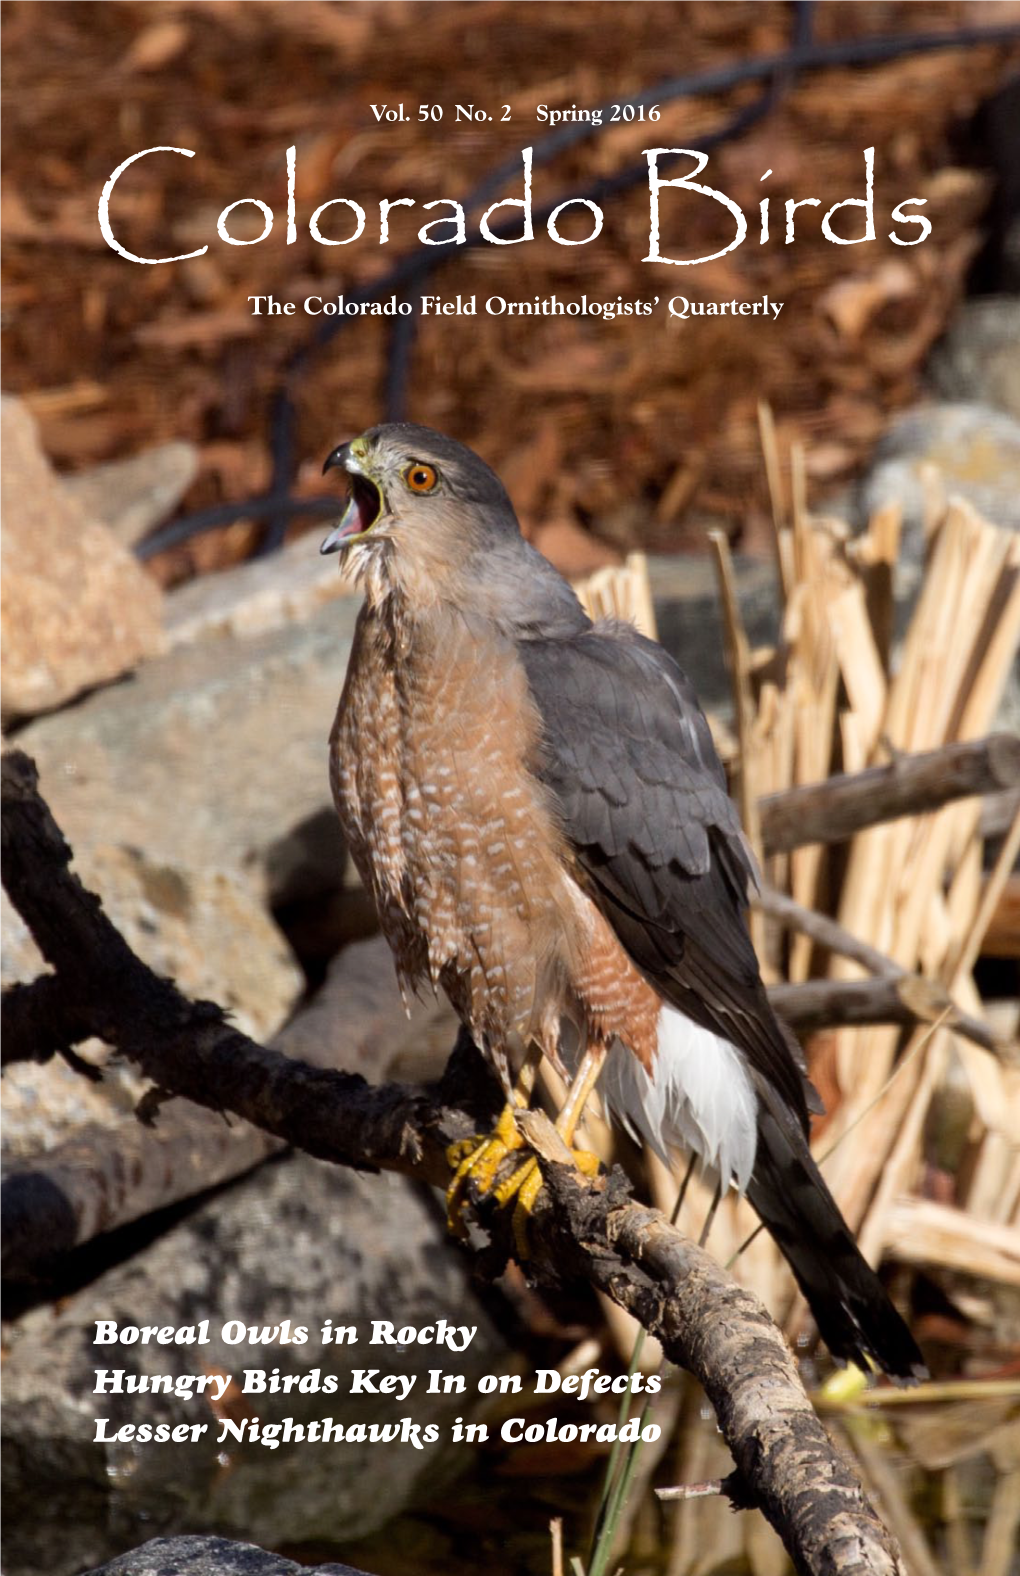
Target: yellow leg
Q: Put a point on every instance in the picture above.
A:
(478, 1159)
(526, 1181)
(583, 1083)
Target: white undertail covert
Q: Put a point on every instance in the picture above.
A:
(699, 1098)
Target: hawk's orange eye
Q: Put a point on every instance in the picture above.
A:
(421, 478)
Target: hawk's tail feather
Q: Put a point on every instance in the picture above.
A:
(851, 1307)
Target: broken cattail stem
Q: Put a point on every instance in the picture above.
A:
(738, 653)
(691, 1490)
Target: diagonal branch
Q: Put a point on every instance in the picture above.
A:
(896, 993)
(707, 1324)
(830, 811)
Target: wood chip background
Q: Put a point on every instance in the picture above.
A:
(610, 436)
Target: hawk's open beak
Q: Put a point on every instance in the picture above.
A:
(365, 504)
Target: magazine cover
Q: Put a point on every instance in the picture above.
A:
(511, 788)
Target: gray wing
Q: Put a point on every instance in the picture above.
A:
(628, 758)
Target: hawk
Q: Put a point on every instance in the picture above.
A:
(535, 803)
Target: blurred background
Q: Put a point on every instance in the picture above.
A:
(174, 649)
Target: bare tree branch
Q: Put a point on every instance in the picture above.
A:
(106, 1177)
(830, 811)
(707, 1324)
(819, 1003)
(38, 1021)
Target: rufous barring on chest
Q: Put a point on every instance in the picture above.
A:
(453, 835)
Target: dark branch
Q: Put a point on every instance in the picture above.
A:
(39, 1020)
(706, 1323)
(895, 996)
(106, 1177)
(831, 811)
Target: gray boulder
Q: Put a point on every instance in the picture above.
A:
(133, 495)
(260, 595)
(979, 358)
(210, 1557)
(973, 452)
(300, 1240)
(210, 755)
(76, 609)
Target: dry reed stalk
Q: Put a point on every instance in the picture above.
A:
(974, 704)
(556, 1535)
(993, 1192)
(621, 591)
(954, 664)
(999, 1083)
(964, 894)
(705, 1536)
(874, 554)
(774, 730)
(773, 474)
(738, 653)
(806, 701)
(957, 1530)
(921, 1231)
(814, 716)
(884, 1479)
(998, 1553)
(961, 959)
(803, 541)
(873, 854)
(860, 664)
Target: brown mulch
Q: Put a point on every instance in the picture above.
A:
(632, 432)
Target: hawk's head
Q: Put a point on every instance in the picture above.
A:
(410, 484)
(430, 520)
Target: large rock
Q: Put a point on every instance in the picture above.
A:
(207, 929)
(298, 1240)
(76, 610)
(979, 358)
(359, 1022)
(974, 452)
(263, 594)
(210, 755)
(20, 958)
(131, 496)
(210, 1557)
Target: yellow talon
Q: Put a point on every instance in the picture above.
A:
(517, 1180)
(526, 1183)
(478, 1159)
